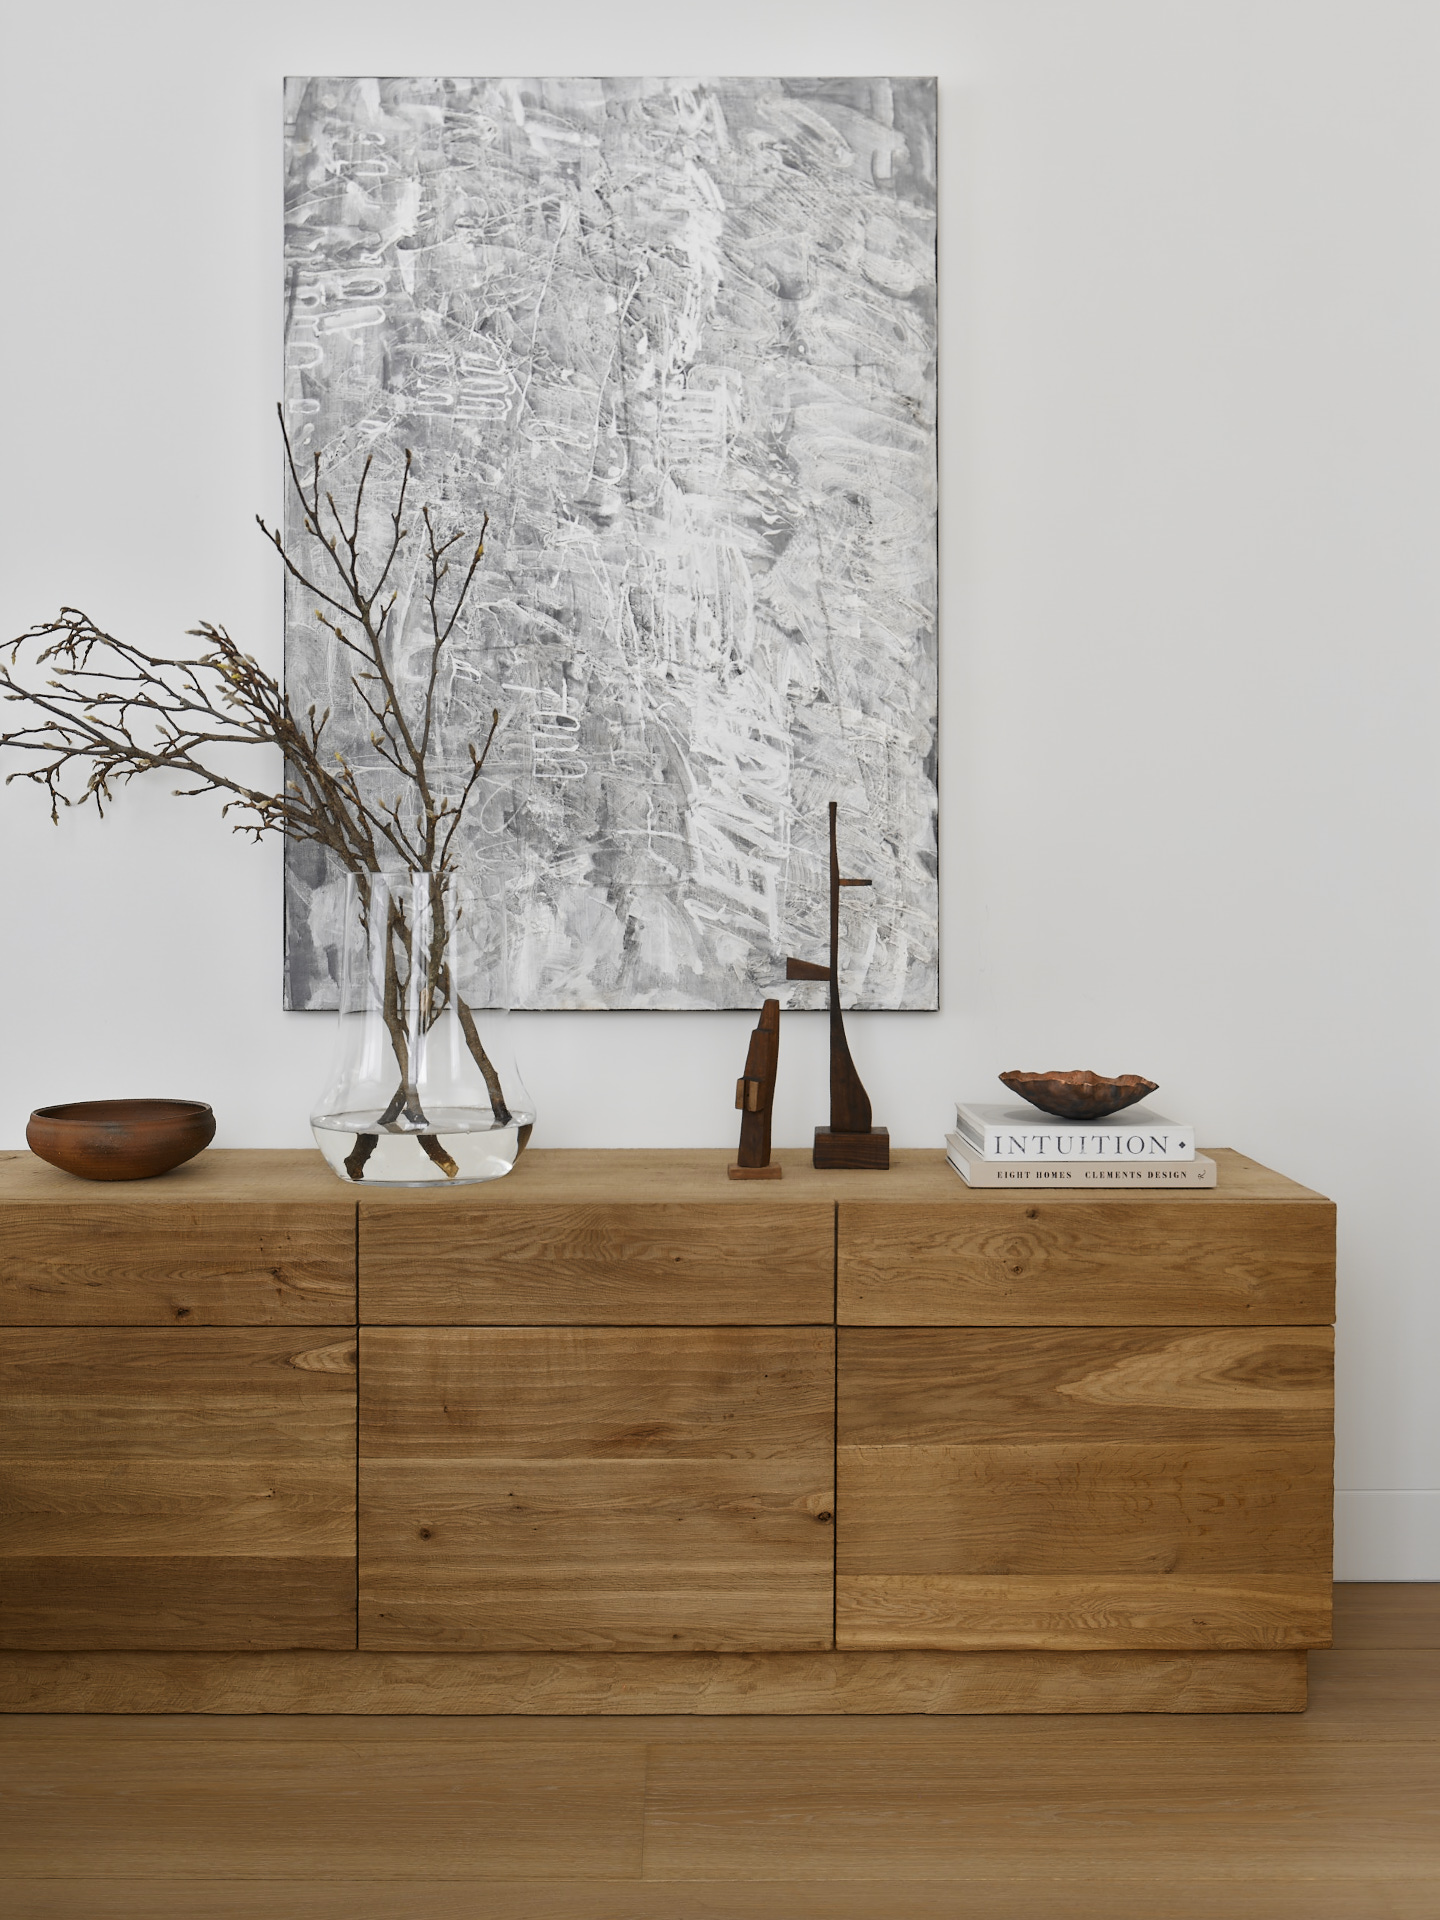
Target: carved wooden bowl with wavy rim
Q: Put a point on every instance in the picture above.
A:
(1078, 1096)
(120, 1139)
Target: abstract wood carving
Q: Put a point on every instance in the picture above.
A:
(755, 1097)
(849, 1140)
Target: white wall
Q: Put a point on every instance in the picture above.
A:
(1191, 298)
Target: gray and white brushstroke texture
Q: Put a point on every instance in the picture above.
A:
(678, 337)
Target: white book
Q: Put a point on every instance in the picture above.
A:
(1129, 1176)
(1000, 1132)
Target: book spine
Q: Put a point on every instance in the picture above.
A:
(1078, 1143)
(1099, 1176)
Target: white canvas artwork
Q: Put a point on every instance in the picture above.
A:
(678, 339)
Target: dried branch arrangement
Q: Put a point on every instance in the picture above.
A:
(110, 710)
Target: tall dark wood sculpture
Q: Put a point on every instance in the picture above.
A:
(755, 1097)
(849, 1140)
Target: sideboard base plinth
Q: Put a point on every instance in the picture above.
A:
(999, 1681)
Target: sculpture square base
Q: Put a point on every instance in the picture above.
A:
(754, 1173)
(852, 1150)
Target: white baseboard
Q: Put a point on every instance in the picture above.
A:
(1388, 1536)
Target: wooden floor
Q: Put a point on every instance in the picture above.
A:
(1330, 1815)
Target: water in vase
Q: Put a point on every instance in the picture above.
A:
(456, 1147)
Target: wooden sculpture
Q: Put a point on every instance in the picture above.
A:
(755, 1097)
(849, 1140)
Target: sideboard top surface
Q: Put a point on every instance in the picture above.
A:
(221, 1176)
(298, 1176)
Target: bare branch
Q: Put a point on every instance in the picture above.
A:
(106, 710)
(101, 710)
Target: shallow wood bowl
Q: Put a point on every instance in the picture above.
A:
(120, 1139)
(1078, 1096)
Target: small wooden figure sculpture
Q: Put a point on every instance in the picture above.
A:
(849, 1140)
(755, 1097)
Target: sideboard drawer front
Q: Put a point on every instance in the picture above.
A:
(596, 1488)
(993, 1386)
(133, 1263)
(1143, 1506)
(1180, 1260)
(177, 1487)
(1069, 1613)
(1124, 1487)
(608, 1263)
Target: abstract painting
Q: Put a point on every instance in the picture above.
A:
(677, 337)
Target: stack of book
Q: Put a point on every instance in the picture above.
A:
(1005, 1146)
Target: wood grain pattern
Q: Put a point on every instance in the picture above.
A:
(177, 1393)
(1377, 1693)
(1186, 1449)
(262, 1237)
(1325, 1815)
(1059, 1612)
(614, 1262)
(177, 1487)
(401, 1808)
(584, 1393)
(915, 1386)
(164, 1601)
(1087, 1454)
(617, 1489)
(1064, 1897)
(234, 1176)
(562, 1176)
(212, 1267)
(1093, 1508)
(643, 1176)
(994, 1681)
(214, 1508)
(620, 1555)
(1354, 1696)
(1380, 1614)
(1072, 1260)
(235, 1238)
(696, 1175)
(1034, 1803)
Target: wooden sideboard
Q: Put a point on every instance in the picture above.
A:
(617, 1435)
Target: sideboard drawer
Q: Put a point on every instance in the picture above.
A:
(1004, 1259)
(616, 1263)
(1084, 1487)
(621, 1489)
(169, 1487)
(235, 1238)
(175, 1266)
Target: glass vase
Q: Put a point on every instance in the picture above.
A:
(423, 1088)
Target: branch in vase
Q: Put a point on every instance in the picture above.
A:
(102, 710)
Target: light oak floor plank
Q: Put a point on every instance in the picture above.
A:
(1329, 1815)
(1369, 1613)
(1297, 1899)
(320, 1810)
(1047, 1808)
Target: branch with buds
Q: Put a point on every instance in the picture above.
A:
(108, 710)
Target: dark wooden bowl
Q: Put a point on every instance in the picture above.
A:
(120, 1139)
(1078, 1096)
